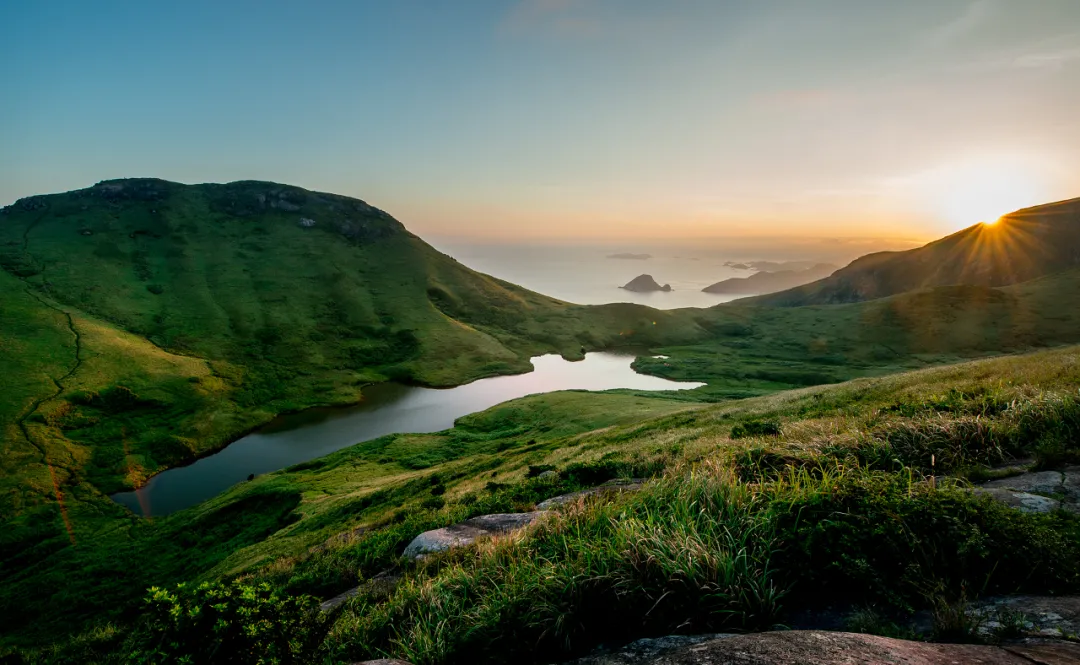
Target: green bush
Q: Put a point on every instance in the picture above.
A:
(228, 622)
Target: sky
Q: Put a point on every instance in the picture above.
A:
(563, 120)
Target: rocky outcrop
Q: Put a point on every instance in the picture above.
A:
(610, 487)
(644, 284)
(825, 648)
(1038, 491)
(468, 532)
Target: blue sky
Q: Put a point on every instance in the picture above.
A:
(563, 119)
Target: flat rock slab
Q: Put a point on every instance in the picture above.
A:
(467, 532)
(612, 486)
(824, 648)
(1031, 492)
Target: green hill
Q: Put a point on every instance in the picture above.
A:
(146, 323)
(1021, 246)
(180, 316)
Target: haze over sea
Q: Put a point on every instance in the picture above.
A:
(585, 273)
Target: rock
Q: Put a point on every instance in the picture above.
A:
(339, 599)
(825, 648)
(380, 586)
(467, 532)
(383, 661)
(650, 647)
(1031, 492)
(547, 474)
(1041, 615)
(644, 284)
(616, 486)
(1022, 501)
(306, 222)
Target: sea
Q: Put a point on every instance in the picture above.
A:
(588, 275)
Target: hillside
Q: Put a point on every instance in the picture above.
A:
(769, 282)
(242, 301)
(1021, 246)
(147, 323)
(778, 521)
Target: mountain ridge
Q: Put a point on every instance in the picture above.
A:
(1022, 245)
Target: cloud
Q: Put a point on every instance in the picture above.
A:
(1047, 60)
(973, 16)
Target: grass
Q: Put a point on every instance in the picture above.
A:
(153, 322)
(776, 522)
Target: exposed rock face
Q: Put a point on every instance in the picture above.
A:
(644, 284)
(1034, 492)
(612, 486)
(467, 532)
(824, 648)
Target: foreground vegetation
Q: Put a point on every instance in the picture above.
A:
(757, 508)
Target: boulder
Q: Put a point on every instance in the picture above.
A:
(825, 648)
(612, 486)
(467, 532)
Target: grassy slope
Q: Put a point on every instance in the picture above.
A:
(302, 528)
(756, 350)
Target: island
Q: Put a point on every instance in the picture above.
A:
(644, 284)
(629, 256)
(771, 282)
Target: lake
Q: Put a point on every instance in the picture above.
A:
(387, 409)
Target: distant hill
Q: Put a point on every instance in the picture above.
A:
(630, 256)
(644, 284)
(770, 282)
(1021, 246)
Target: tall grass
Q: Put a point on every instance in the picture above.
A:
(692, 552)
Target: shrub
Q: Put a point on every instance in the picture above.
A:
(229, 622)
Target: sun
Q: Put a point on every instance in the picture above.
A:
(984, 191)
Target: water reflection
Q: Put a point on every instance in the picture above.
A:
(386, 409)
